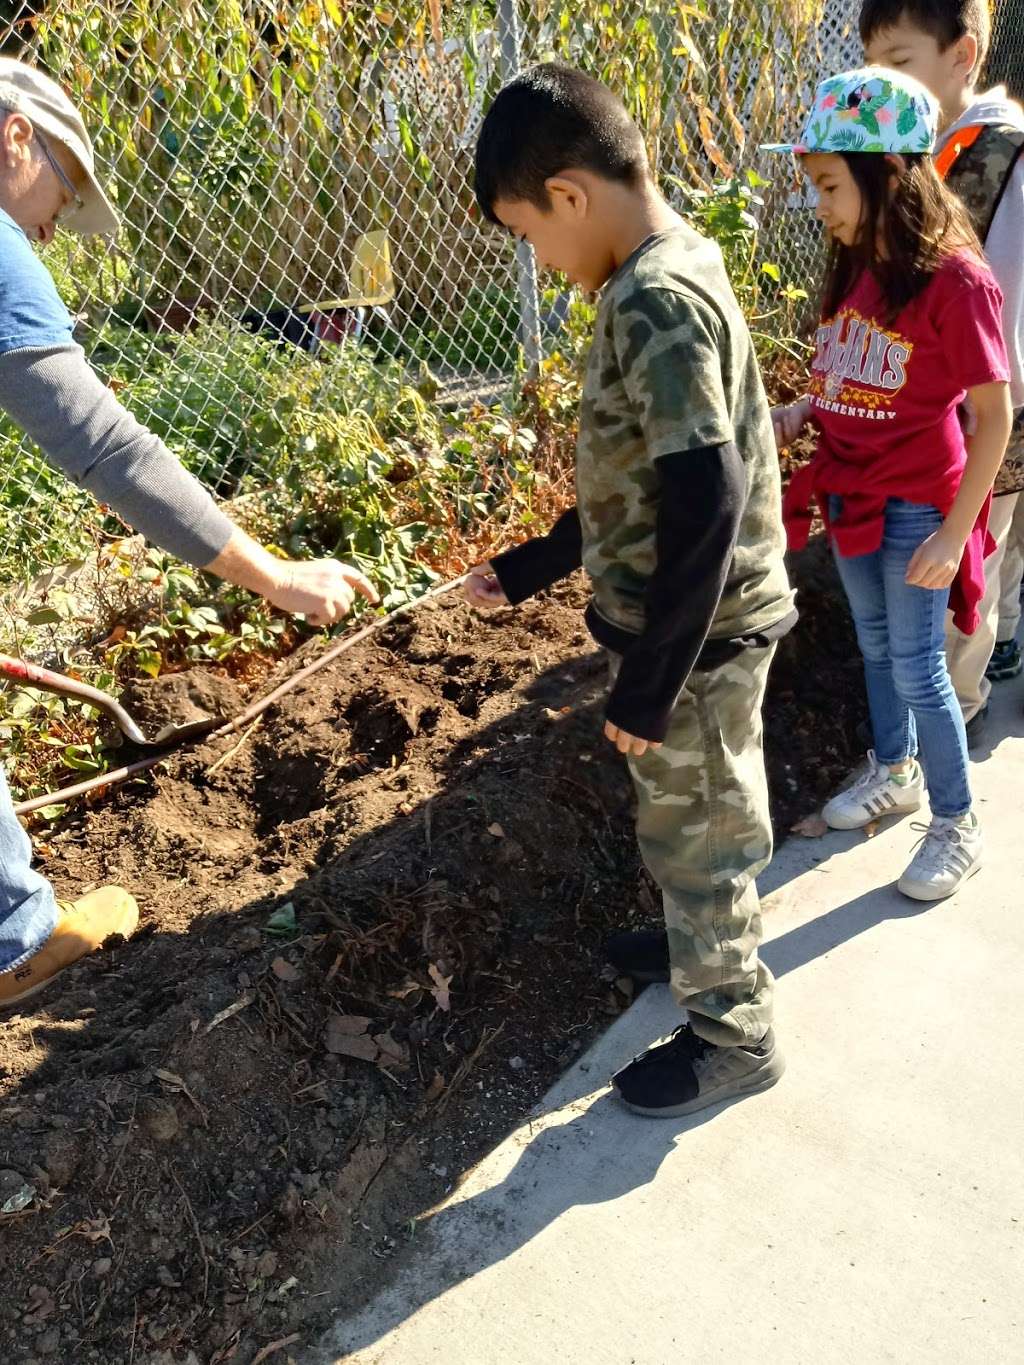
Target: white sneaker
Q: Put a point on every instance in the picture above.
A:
(949, 853)
(875, 794)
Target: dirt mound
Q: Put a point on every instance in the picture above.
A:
(371, 937)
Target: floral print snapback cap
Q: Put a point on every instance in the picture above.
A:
(871, 109)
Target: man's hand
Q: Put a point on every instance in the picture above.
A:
(789, 420)
(482, 589)
(631, 745)
(936, 561)
(321, 590)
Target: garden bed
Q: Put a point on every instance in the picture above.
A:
(230, 1125)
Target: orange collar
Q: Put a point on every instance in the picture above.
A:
(965, 138)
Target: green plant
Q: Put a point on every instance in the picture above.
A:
(727, 214)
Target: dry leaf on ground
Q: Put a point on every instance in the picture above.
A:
(810, 827)
(440, 989)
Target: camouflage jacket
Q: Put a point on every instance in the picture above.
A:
(672, 369)
(979, 177)
(980, 174)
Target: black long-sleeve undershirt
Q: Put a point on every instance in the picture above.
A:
(703, 492)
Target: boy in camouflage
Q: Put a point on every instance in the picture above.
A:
(980, 155)
(677, 524)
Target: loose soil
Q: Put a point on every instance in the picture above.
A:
(371, 937)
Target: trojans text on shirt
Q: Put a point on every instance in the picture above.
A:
(858, 366)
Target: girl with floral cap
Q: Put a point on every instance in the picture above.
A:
(910, 329)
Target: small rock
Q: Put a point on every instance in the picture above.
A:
(10, 1183)
(101, 1267)
(61, 1159)
(517, 1063)
(267, 1265)
(48, 1343)
(160, 1120)
(291, 1201)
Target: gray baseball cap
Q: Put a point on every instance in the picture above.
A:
(26, 90)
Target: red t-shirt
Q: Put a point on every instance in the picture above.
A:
(885, 396)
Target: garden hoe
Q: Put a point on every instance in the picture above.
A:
(32, 676)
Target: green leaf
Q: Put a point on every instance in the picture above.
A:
(772, 271)
(282, 922)
(867, 119)
(149, 662)
(45, 616)
(906, 121)
(81, 759)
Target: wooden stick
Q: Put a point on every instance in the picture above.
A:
(276, 1346)
(199, 1236)
(235, 748)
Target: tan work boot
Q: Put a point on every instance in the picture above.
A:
(81, 929)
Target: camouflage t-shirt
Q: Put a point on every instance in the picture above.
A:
(672, 369)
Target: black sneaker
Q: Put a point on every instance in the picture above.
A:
(1005, 661)
(976, 727)
(641, 954)
(687, 1073)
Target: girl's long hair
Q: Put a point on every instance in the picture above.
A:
(906, 231)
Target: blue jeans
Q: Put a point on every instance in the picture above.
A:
(28, 911)
(901, 633)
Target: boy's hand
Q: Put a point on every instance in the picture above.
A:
(936, 561)
(482, 589)
(631, 745)
(789, 420)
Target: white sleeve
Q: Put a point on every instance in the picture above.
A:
(1004, 248)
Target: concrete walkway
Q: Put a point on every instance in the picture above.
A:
(869, 1208)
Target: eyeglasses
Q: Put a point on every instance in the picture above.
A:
(76, 199)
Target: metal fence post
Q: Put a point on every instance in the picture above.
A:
(529, 302)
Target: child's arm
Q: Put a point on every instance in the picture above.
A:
(936, 561)
(703, 492)
(789, 419)
(671, 347)
(519, 573)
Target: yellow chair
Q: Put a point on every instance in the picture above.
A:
(372, 283)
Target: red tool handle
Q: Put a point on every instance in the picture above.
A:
(35, 676)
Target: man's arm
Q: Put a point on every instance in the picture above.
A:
(61, 403)
(703, 493)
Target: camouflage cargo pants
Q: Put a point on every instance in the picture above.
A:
(705, 834)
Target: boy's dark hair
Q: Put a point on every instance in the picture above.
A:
(551, 119)
(922, 222)
(946, 20)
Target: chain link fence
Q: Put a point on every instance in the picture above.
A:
(295, 186)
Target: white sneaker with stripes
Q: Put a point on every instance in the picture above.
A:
(949, 853)
(875, 794)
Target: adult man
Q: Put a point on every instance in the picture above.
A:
(47, 175)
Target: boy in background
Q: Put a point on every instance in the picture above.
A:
(678, 525)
